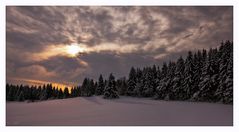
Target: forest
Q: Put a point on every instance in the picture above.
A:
(204, 75)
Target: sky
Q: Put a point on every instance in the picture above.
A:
(65, 44)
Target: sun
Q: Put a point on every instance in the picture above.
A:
(74, 49)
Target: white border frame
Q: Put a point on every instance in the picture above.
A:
(4, 3)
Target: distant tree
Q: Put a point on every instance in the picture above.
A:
(66, 93)
(110, 91)
(43, 95)
(11, 93)
(60, 94)
(73, 92)
(21, 96)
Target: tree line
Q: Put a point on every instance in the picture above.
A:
(202, 76)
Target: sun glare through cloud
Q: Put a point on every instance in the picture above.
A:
(74, 49)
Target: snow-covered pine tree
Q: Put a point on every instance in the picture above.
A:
(158, 79)
(100, 87)
(216, 68)
(86, 88)
(131, 83)
(206, 85)
(110, 91)
(189, 76)
(198, 66)
(161, 89)
(178, 92)
(155, 77)
(228, 93)
(222, 72)
(91, 87)
(123, 86)
(170, 77)
(148, 80)
(139, 83)
(224, 92)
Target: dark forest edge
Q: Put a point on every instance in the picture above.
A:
(205, 76)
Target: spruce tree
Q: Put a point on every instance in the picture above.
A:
(189, 72)
(206, 85)
(60, 94)
(148, 87)
(21, 96)
(139, 83)
(178, 92)
(224, 91)
(110, 91)
(66, 93)
(131, 83)
(162, 86)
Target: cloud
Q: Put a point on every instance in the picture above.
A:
(34, 71)
(110, 39)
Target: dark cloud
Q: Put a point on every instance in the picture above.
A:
(130, 36)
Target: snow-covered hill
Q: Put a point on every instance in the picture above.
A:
(124, 111)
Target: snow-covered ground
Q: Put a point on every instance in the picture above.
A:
(124, 111)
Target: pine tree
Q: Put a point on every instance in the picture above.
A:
(198, 66)
(148, 87)
(170, 77)
(178, 92)
(21, 96)
(66, 93)
(162, 86)
(85, 88)
(110, 91)
(123, 86)
(139, 83)
(91, 87)
(131, 83)
(228, 93)
(73, 92)
(43, 95)
(60, 94)
(11, 93)
(206, 85)
(224, 92)
(189, 72)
